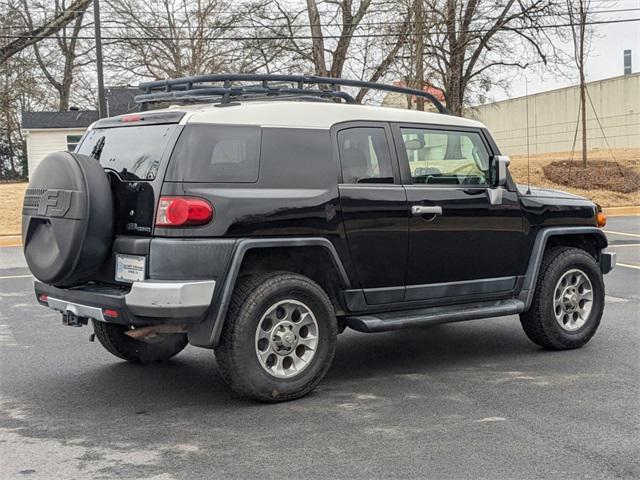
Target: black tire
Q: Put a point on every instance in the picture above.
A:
(114, 340)
(539, 322)
(236, 352)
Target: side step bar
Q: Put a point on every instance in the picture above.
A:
(383, 322)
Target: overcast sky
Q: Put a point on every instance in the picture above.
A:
(605, 60)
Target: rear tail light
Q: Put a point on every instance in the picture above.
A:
(183, 212)
(109, 312)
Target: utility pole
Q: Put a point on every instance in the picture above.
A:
(419, 56)
(102, 103)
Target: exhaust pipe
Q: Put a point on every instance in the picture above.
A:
(153, 333)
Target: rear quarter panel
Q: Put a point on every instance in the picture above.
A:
(296, 193)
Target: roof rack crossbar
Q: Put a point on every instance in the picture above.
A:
(189, 88)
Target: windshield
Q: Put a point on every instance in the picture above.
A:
(133, 152)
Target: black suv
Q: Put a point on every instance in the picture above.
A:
(262, 215)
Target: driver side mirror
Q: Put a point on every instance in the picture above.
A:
(500, 164)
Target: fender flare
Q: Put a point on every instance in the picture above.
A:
(535, 260)
(209, 332)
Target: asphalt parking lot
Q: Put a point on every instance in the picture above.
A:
(467, 400)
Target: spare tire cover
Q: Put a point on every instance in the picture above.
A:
(67, 219)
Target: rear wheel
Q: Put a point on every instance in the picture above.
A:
(568, 302)
(113, 338)
(279, 337)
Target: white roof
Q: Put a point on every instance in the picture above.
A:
(310, 114)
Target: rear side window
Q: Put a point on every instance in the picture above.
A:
(364, 155)
(216, 154)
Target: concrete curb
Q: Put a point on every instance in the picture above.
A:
(621, 211)
(10, 240)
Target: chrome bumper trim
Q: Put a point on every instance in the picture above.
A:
(170, 298)
(76, 309)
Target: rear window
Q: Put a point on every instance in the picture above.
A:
(216, 154)
(132, 152)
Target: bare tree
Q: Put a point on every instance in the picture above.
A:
(578, 16)
(344, 38)
(60, 58)
(468, 41)
(173, 38)
(32, 35)
(387, 54)
(19, 91)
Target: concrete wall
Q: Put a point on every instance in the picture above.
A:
(553, 115)
(41, 143)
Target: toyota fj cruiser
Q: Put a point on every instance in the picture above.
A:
(261, 215)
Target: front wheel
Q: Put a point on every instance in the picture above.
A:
(568, 302)
(279, 337)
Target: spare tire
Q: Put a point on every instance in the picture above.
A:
(67, 219)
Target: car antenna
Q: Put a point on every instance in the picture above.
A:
(526, 101)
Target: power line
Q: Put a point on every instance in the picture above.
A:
(326, 25)
(311, 37)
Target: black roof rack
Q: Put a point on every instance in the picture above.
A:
(198, 88)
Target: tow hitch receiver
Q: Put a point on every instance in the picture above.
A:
(72, 320)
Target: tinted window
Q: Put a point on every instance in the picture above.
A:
(216, 153)
(133, 152)
(446, 157)
(364, 155)
(297, 158)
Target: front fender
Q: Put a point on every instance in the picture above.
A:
(535, 259)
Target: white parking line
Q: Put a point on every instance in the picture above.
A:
(626, 265)
(625, 245)
(15, 276)
(622, 233)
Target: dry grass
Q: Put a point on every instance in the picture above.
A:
(11, 195)
(606, 198)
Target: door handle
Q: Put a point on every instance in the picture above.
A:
(418, 210)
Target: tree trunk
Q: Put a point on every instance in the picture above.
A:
(419, 57)
(64, 94)
(583, 87)
(317, 41)
(454, 82)
(454, 87)
(583, 113)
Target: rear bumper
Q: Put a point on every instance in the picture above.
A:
(607, 261)
(142, 304)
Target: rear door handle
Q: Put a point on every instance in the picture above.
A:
(418, 210)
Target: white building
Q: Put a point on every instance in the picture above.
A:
(612, 121)
(48, 132)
